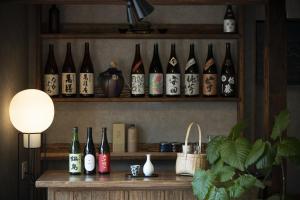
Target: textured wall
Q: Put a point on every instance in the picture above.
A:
(13, 66)
(157, 121)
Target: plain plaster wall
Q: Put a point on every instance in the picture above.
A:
(13, 66)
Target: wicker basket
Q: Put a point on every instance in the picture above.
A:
(187, 163)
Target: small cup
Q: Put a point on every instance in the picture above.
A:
(186, 149)
(135, 170)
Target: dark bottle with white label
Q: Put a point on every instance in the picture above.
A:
(228, 75)
(210, 75)
(229, 20)
(75, 154)
(51, 81)
(89, 159)
(191, 75)
(173, 76)
(156, 75)
(68, 76)
(104, 154)
(86, 76)
(137, 75)
(54, 19)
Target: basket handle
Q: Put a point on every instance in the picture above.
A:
(188, 133)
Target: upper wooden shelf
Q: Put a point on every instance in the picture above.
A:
(154, 2)
(162, 31)
(147, 99)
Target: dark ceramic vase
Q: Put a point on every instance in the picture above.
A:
(111, 81)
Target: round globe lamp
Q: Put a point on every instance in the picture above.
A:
(31, 112)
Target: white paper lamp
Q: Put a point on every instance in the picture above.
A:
(31, 112)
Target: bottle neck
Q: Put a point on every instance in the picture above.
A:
(137, 53)
(89, 135)
(155, 52)
(173, 52)
(228, 53)
(192, 52)
(75, 135)
(69, 51)
(51, 52)
(210, 52)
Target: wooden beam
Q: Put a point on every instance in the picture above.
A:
(275, 71)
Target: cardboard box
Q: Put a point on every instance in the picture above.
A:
(118, 141)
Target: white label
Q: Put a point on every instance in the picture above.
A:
(190, 63)
(86, 82)
(68, 83)
(75, 163)
(229, 25)
(89, 162)
(173, 84)
(191, 82)
(51, 86)
(137, 83)
(173, 61)
(156, 83)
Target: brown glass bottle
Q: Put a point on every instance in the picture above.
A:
(89, 159)
(156, 75)
(137, 75)
(191, 75)
(51, 78)
(228, 75)
(104, 154)
(173, 75)
(86, 76)
(68, 75)
(210, 75)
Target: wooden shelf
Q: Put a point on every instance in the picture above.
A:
(112, 31)
(154, 2)
(117, 156)
(147, 99)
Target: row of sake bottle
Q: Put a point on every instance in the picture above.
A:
(89, 154)
(159, 84)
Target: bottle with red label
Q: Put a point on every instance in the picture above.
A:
(104, 154)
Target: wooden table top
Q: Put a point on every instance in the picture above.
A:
(62, 179)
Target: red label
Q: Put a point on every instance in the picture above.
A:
(104, 163)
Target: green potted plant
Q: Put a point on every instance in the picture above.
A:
(233, 159)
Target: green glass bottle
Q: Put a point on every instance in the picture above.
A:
(75, 154)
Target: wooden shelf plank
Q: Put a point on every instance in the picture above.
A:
(159, 31)
(154, 2)
(147, 99)
(116, 156)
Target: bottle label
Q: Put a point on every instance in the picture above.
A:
(51, 84)
(68, 83)
(229, 25)
(89, 162)
(156, 83)
(191, 84)
(173, 61)
(209, 63)
(228, 84)
(137, 83)
(104, 163)
(86, 83)
(173, 84)
(74, 163)
(209, 84)
(190, 63)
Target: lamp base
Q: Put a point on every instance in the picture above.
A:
(34, 140)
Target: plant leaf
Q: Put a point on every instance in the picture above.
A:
(259, 184)
(256, 152)
(289, 147)
(213, 149)
(225, 173)
(217, 194)
(241, 184)
(236, 130)
(282, 121)
(235, 153)
(202, 183)
(267, 159)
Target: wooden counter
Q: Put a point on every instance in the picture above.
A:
(62, 186)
